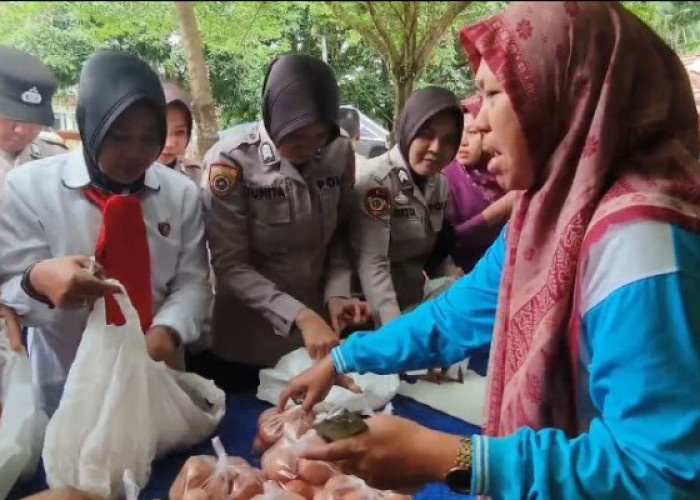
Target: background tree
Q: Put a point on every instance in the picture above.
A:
(404, 34)
(204, 107)
(240, 39)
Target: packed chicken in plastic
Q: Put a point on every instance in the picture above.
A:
(342, 487)
(272, 423)
(283, 461)
(217, 478)
(282, 439)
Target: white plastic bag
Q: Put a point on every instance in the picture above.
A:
(377, 390)
(22, 422)
(120, 409)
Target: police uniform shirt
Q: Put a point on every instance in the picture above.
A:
(276, 240)
(39, 148)
(393, 231)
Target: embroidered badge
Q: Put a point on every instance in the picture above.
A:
(223, 179)
(404, 179)
(401, 199)
(31, 96)
(377, 202)
(268, 155)
(164, 228)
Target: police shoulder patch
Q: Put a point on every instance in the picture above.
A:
(223, 179)
(378, 202)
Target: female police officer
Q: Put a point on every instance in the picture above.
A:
(401, 204)
(276, 199)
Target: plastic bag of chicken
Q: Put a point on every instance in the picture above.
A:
(218, 478)
(342, 487)
(272, 422)
(283, 462)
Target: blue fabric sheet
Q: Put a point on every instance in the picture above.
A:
(239, 427)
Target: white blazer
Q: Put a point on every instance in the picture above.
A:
(44, 213)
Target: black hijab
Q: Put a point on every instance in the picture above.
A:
(299, 90)
(421, 107)
(110, 83)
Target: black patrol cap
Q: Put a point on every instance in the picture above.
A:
(27, 86)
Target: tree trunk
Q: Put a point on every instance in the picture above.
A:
(403, 88)
(204, 107)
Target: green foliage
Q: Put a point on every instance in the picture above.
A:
(241, 38)
(678, 23)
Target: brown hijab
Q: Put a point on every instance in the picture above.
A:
(623, 145)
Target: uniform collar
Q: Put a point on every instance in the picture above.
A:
(270, 156)
(405, 174)
(75, 174)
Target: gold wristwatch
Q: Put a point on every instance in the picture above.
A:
(459, 477)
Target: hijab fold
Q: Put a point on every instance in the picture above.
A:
(623, 146)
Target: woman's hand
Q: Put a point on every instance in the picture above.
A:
(161, 345)
(347, 312)
(319, 338)
(395, 453)
(315, 383)
(70, 282)
(13, 328)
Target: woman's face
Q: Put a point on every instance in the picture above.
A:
(300, 146)
(178, 135)
(435, 145)
(469, 152)
(503, 136)
(131, 145)
(16, 135)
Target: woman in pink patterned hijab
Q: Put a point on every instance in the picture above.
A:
(589, 297)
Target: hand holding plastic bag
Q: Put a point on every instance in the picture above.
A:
(376, 390)
(120, 409)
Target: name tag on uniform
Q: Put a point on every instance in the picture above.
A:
(265, 192)
(329, 182)
(405, 212)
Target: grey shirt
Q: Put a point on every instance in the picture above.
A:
(394, 229)
(277, 241)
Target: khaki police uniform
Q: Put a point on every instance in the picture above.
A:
(39, 148)
(27, 86)
(190, 168)
(393, 232)
(276, 240)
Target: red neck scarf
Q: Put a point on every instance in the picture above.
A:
(122, 249)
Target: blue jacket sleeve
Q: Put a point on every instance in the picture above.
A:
(644, 382)
(436, 334)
